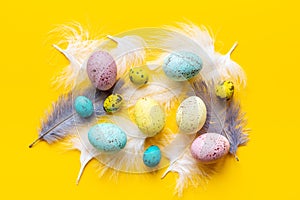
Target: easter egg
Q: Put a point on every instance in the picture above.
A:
(138, 75)
(83, 106)
(112, 103)
(182, 65)
(209, 147)
(149, 116)
(225, 90)
(102, 70)
(107, 137)
(152, 156)
(191, 115)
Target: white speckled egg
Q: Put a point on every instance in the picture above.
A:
(149, 116)
(191, 115)
(210, 147)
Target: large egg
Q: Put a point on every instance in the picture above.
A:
(149, 116)
(191, 115)
(209, 147)
(182, 65)
(107, 137)
(102, 70)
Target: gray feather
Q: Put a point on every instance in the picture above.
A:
(63, 120)
(225, 118)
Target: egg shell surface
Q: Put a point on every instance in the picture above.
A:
(191, 115)
(102, 70)
(152, 156)
(209, 147)
(138, 75)
(107, 137)
(83, 106)
(149, 116)
(182, 65)
(113, 103)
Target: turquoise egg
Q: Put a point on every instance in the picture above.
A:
(84, 106)
(182, 65)
(152, 156)
(107, 137)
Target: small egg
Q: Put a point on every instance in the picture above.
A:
(152, 156)
(191, 115)
(225, 90)
(138, 75)
(107, 137)
(209, 147)
(113, 103)
(182, 65)
(149, 116)
(102, 70)
(83, 106)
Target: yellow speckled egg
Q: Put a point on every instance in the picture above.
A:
(139, 75)
(112, 103)
(149, 116)
(225, 90)
(191, 115)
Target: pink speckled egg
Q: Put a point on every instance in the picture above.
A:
(209, 147)
(102, 70)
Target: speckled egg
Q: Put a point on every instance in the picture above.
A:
(149, 116)
(191, 115)
(152, 156)
(83, 106)
(209, 147)
(182, 65)
(138, 75)
(225, 90)
(112, 103)
(102, 70)
(107, 137)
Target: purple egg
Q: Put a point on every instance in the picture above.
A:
(102, 70)
(209, 147)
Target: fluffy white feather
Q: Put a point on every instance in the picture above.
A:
(198, 40)
(79, 46)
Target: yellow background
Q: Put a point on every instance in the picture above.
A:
(268, 36)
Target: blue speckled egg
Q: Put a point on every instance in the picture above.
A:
(152, 156)
(182, 65)
(83, 106)
(107, 137)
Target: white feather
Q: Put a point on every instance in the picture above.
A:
(217, 67)
(79, 47)
(129, 52)
(182, 162)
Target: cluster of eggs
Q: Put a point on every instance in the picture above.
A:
(148, 114)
